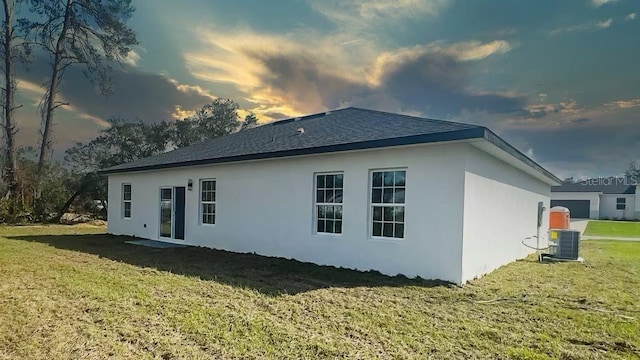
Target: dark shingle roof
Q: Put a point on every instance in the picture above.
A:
(605, 186)
(339, 130)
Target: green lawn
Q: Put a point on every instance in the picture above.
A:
(92, 297)
(613, 228)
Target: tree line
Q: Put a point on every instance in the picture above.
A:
(125, 141)
(91, 35)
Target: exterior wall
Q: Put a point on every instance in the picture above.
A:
(637, 201)
(266, 207)
(500, 212)
(608, 207)
(593, 197)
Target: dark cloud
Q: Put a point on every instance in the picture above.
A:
(306, 83)
(434, 83)
(437, 83)
(580, 148)
(581, 120)
(151, 97)
(542, 110)
(135, 94)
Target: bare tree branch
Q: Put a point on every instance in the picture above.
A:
(59, 104)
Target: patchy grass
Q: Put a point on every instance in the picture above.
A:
(91, 296)
(613, 228)
(52, 229)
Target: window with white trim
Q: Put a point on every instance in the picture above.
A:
(328, 204)
(126, 201)
(621, 203)
(388, 203)
(208, 201)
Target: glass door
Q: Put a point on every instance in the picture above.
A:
(166, 212)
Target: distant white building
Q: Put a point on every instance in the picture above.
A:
(610, 198)
(354, 188)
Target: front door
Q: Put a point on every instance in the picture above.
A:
(172, 212)
(178, 226)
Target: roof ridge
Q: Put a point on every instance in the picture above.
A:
(412, 116)
(328, 112)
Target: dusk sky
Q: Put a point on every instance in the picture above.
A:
(560, 80)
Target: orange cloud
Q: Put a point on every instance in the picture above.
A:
(282, 75)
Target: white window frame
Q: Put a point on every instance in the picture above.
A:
(127, 201)
(201, 202)
(383, 205)
(623, 203)
(316, 204)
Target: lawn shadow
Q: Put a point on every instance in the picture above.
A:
(268, 275)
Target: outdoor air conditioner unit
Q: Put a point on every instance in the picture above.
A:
(564, 244)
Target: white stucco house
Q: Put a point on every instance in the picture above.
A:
(354, 188)
(607, 198)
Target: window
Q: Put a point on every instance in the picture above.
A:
(208, 201)
(387, 203)
(126, 200)
(621, 203)
(329, 189)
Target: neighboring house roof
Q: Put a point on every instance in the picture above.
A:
(606, 186)
(333, 131)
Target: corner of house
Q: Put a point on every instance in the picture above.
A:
(637, 202)
(461, 280)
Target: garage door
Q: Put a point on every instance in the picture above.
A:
(579, 208)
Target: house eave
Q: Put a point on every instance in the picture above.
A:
(505, 151)
(496, 146)
(465, 134)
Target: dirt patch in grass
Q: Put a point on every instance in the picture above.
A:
(93, 296)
